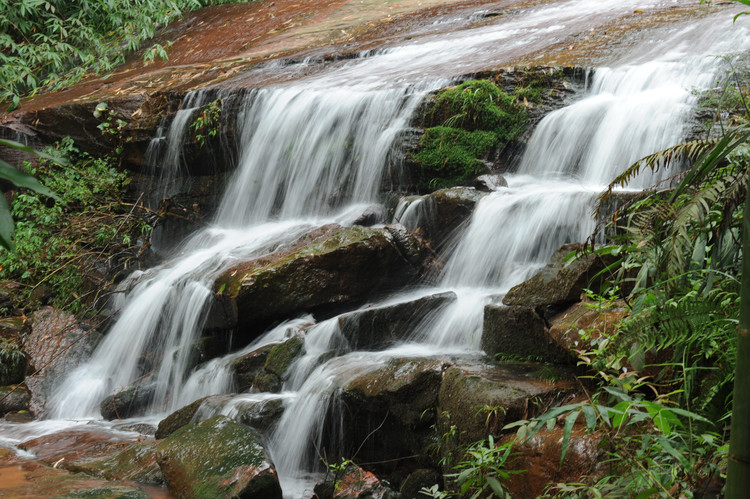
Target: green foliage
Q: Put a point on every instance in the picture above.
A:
(471, 118)
(51, 44)
(482, 469)
(56, 241)
(207, 123)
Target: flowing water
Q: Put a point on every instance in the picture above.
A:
(314, 151)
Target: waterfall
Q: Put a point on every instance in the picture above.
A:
(312, 149)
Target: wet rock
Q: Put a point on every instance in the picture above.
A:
(490, 182)
(413, 249)
(282, 355)
(560, 282)
(596, 320)
(519, 333)
(387, 417)
(539, 457)
(217, 458)
(247, 367)
(372, 215)
(76, 445)
(422, 478)
(437, 216)
(338, 269)
(58, 343)
(14, 399)
(378, 327)
(128, 402)
(135, 461)
(267, 382)
(222, 314)
(353, 483)
(178, 419)
(257, 411)
(25, 478)
(480, 399)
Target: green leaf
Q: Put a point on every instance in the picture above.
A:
(6, 225)
(23, 179)
(495, 486)
(590, 414)
(570, 420)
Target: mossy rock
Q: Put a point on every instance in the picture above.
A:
(282, 355)
(178, 419)
(217, 458)
(247, 367)
(131, 401)
(339, 269)
(519, 333)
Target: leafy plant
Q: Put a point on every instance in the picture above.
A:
(483, 469)
(57, 243)
(207, 123)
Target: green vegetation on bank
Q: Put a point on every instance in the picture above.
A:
(472, 118)
(52, 44)
(88, 231)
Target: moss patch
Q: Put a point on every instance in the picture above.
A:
(467, 121)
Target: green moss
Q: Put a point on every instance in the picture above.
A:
(281, 356)
(450, 156)
(469, 120)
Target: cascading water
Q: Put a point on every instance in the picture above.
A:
(312, 149)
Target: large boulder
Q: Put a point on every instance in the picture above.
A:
(337, 269)
(58, 343)
(581, 323)
(389, 412)
(217, 458)
(561, 282)
(247, 367)
(376, 328)
(519, 333)
(478, 400)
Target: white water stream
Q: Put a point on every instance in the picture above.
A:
(313, 150)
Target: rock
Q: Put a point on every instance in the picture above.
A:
(267, 382)
(259, 411)
(217, 458)
(178, 419)
(378, 327)
(480, 399)
(519, 333)
(416, 481)
(340, 268)
(372, 215)
(222, 314)
(595, 319)
(135, 461)
(353, 483)
(57, 345)
(388, 417)
(411, 247)
(76, 445)
(128, 402)
(247, 367)
(283, 355)
(14, 399)
(438, 215)
(539, 457)
(560, 282)
(490, 182)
